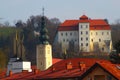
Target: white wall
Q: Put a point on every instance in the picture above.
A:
(84, 39)
(93, 35)
(17, 67)
(65, 37)
(100, 36)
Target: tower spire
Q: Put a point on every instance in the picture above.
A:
(43, 39)
(44, 49)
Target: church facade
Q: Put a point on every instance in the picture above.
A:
(85, 35)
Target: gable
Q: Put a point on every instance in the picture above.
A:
(97, 70)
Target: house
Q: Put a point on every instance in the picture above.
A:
(85, 35)
(102, 71)
(73, 69)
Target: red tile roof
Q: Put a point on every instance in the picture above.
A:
(55, 60)
(59, 70)
(113, 69)
(2, 73)
(71, 25)
(84, 17)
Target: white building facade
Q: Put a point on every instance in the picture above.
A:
(88, 35)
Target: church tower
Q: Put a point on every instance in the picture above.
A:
(44, 49)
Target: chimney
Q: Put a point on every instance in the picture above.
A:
(69, 66)
(36, 71)
(82, 66)
(53, 69)
(10, 73)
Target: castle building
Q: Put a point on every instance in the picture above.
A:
(85, 34)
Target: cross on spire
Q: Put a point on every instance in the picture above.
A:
(43, 11)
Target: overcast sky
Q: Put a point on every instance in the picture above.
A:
(12, 10)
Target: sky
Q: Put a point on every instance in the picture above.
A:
(13, 10)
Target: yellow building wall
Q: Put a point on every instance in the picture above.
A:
(97, 71)
(44, 56)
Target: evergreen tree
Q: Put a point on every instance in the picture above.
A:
(115, 54)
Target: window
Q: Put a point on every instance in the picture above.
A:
(102, 33)
(67, 40)
(86, 32)
(107, 33)
(81, 39)
(66, 34)
(75, 33)
(81, 32)
(63, 40)
(109, 77)
(102, 49)
(99, 40)
(92, 40)
(70, 33)
(96, 33)
(86, 38)
(81, 44)
(89, 78)
(99, 77)
(61, 34)
(75, 40)
(86, 44)
(81, 26)
(86, 26)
